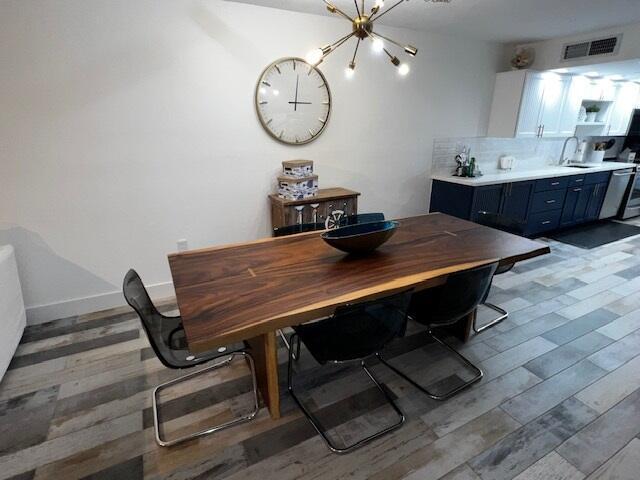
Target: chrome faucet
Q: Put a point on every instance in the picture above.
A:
(564, 160)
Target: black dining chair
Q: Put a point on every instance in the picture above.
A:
(499, 222)
(168, 340)
(363, 218)
(354, 333)
(297, 228)
(445, 305)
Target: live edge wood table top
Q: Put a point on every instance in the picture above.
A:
(247, 291)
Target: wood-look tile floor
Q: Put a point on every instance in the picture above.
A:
(560, 398)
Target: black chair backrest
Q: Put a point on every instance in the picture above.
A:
(298, 228)
(374, 323)
(166, 334)
(457, 298)
(364, 218)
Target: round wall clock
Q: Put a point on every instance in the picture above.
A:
(293, 101)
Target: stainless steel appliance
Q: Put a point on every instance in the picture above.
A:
(620, 194)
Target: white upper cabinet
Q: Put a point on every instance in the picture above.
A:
(600, 90)
(626, 98)
(557, 111)
(530, 104)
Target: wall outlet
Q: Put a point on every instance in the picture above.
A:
(183, 245)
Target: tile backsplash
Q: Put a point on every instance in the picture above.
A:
(530, 153)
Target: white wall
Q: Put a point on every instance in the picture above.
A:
(549, 52)
(126, 125)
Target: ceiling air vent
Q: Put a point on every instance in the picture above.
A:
(591, 48)
(576, 50)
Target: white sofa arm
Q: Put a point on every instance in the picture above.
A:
(12, 313)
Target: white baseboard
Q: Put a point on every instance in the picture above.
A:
(81, 306)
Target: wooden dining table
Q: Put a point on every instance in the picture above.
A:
(245, 292)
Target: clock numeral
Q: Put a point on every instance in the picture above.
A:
(266, 83)
(281, 134)
(294, 64)
(320, 86)
(326, 102)
(312, 133)
(278, 69)
(322, 120)
(264, 102)
(269, 121)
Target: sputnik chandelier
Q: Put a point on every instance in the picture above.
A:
(362, 29)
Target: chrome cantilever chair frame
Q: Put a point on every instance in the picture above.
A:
(503, 316)
(503, 313)
(314, 421)
(478, 372)
(156, 391)
(479, 276)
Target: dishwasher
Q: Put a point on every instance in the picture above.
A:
(619, 186)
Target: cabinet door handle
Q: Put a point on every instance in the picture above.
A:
(579, 180)
(577, 189)
(546, 222)
(542, 134)
(538, 132)
(549, 202)
(555, 184)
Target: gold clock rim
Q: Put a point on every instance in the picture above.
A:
(262, 122)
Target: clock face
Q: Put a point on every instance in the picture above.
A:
(293, 101)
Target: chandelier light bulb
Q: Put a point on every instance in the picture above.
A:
(314, 56)
(404, 69)
(379, 4)
(377, 45)
(350, 71)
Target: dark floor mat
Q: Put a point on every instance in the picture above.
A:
(595, 234)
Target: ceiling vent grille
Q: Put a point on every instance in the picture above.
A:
(602, 46)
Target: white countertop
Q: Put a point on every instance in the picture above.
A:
(522, 175)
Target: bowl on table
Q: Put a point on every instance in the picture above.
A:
(360, 238)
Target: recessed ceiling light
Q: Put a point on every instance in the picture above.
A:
(591, 74)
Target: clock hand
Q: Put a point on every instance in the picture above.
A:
(300, 103)
(295, 103)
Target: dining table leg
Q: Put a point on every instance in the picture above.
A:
(464, 327)
(264, 353)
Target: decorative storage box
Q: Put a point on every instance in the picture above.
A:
(297, 188)
(297, 168)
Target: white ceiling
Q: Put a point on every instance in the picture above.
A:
(504, 21)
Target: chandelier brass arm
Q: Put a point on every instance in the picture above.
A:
(362, 28)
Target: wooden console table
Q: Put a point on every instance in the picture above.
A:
(284, 212)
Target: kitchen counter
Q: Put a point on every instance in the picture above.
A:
(522, 175)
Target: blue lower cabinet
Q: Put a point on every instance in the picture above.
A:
(516, 200)
(542, 205)
(543, 222)
(596, 201)
(545, 201)
(487, 199)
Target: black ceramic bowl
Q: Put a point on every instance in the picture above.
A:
(360, 238)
